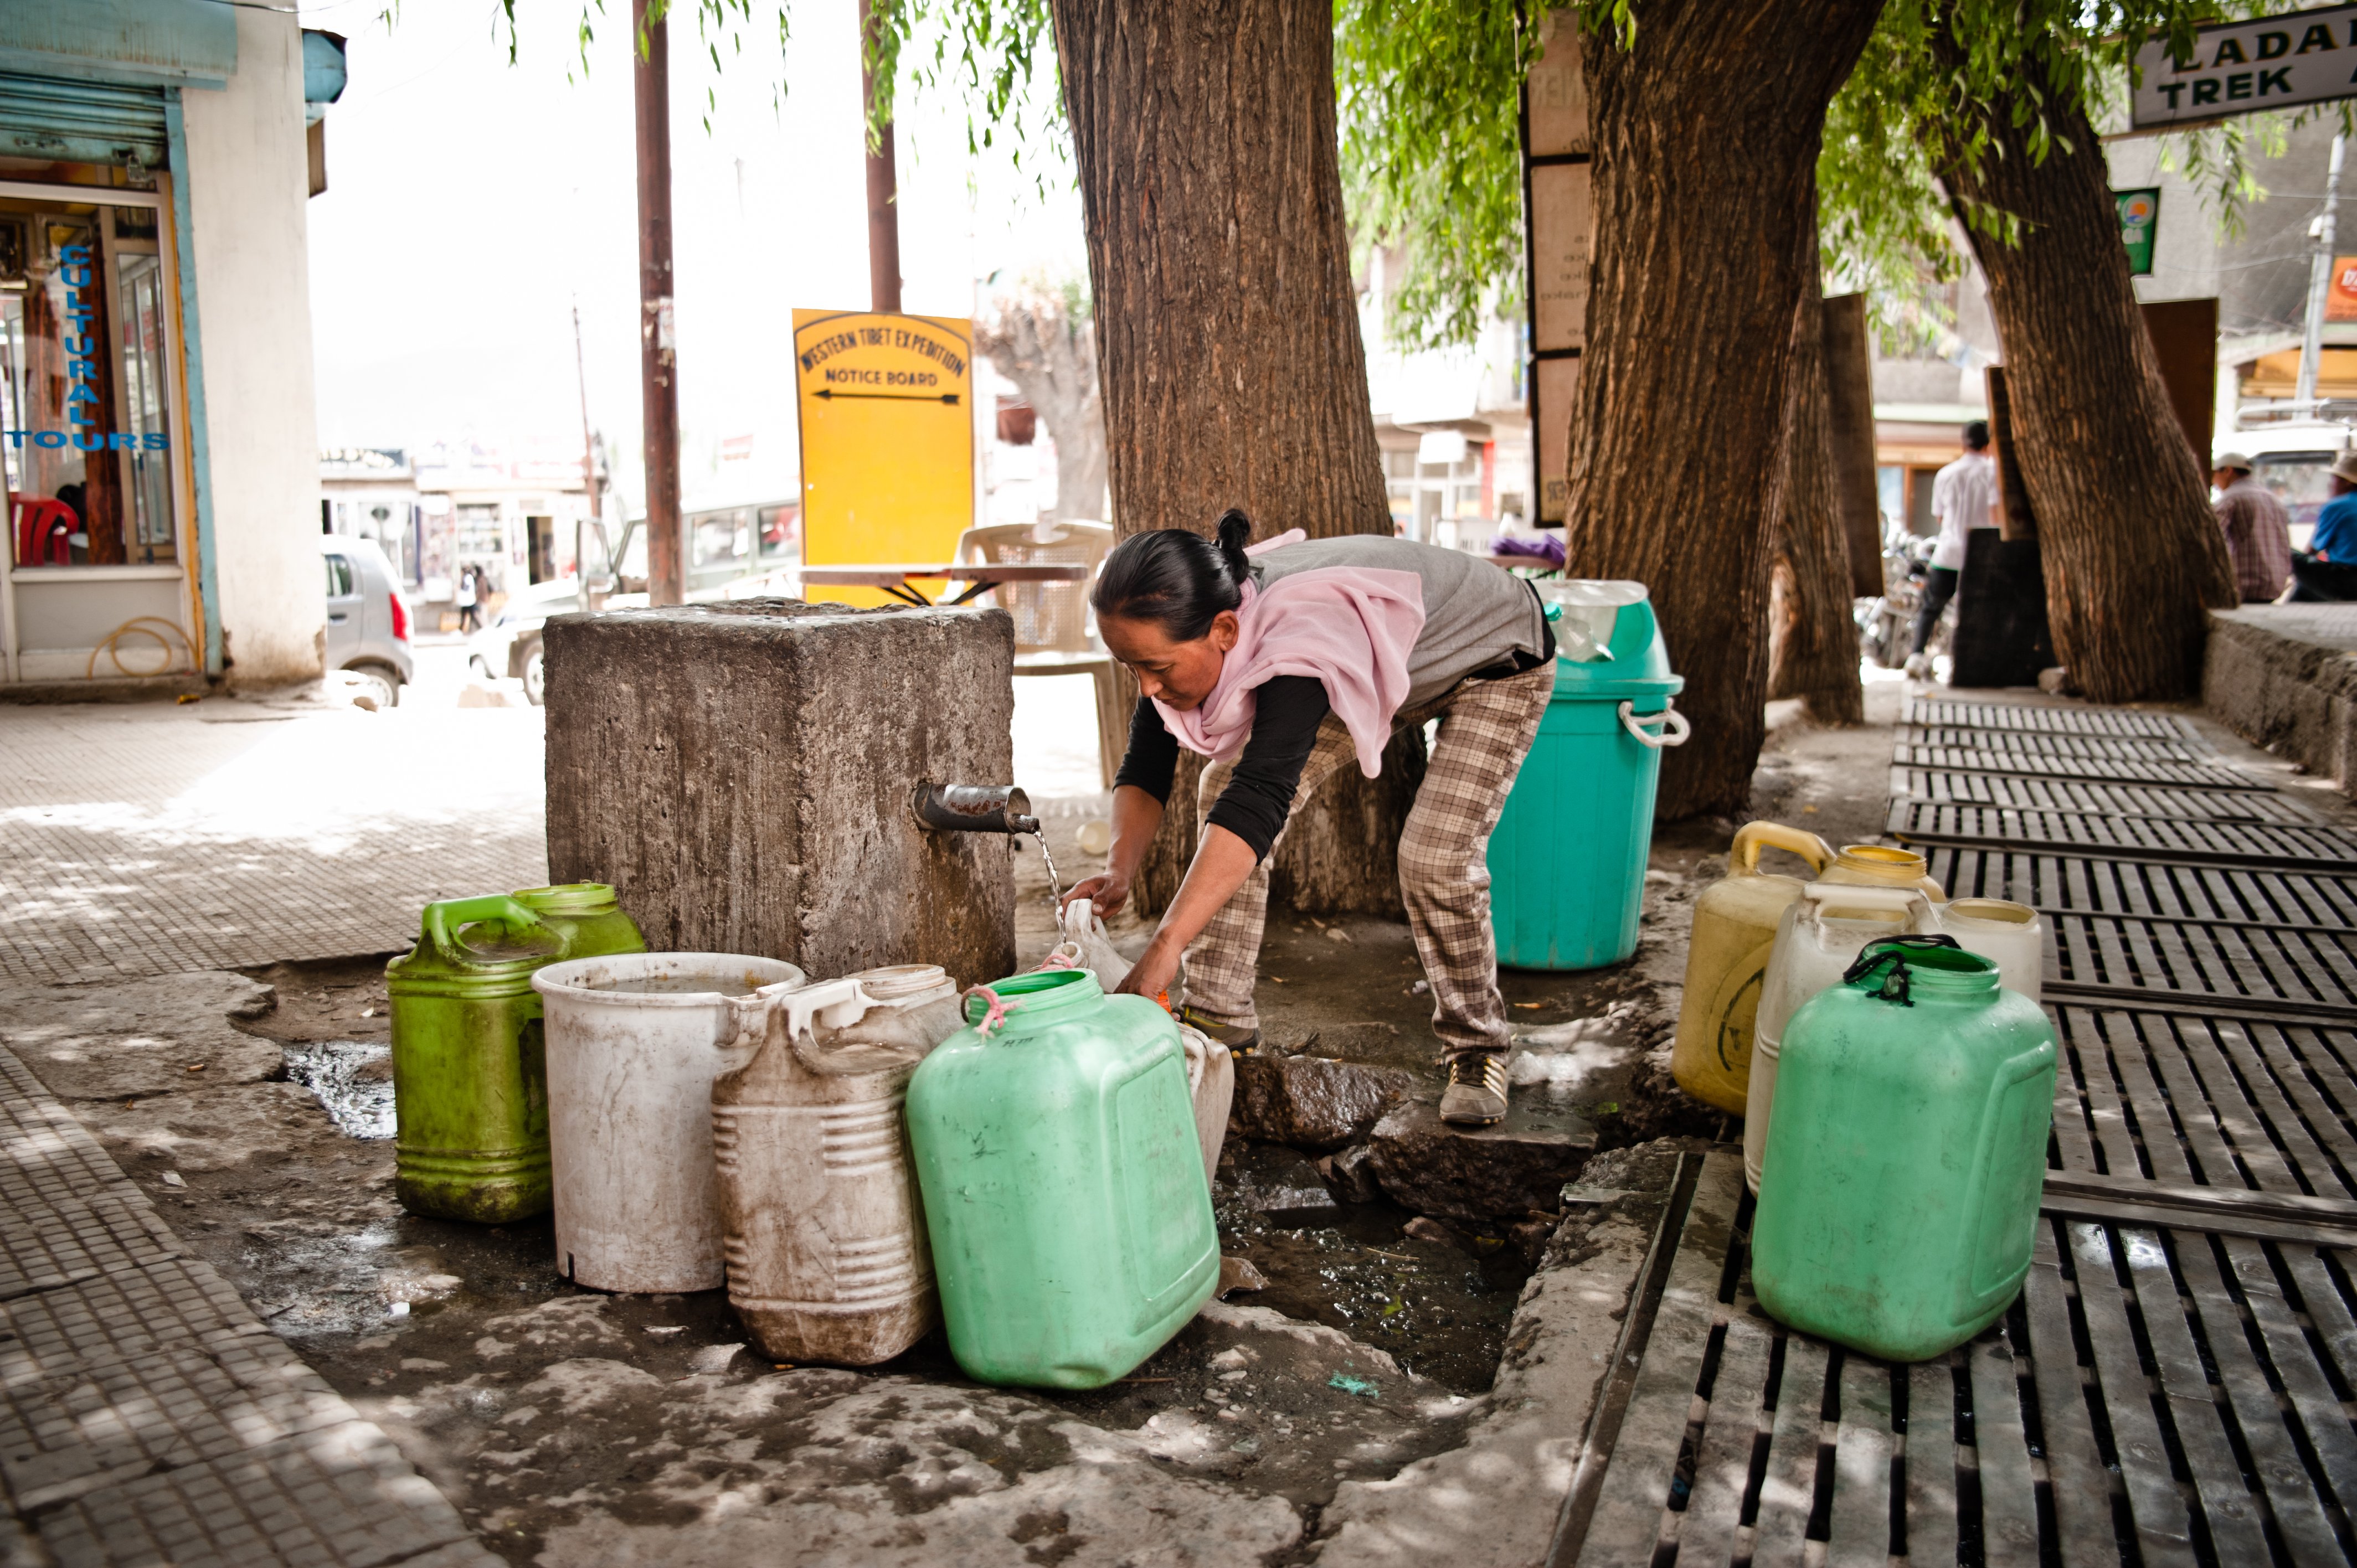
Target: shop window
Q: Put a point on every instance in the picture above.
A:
(85, 396)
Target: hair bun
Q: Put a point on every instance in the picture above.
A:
(1235, 530)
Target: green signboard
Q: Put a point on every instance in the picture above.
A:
(2139, 221)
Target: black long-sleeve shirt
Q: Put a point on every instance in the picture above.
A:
(1260, 796)
(1479, 624)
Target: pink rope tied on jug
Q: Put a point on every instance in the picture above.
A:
(996, 1011)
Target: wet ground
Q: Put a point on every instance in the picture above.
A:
(587, 1426)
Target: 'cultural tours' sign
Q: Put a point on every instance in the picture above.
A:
(2269, 62)
(887, 410)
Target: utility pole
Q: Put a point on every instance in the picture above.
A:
(658, 359)
(589, 470)
(883, 211)
(2324, 232)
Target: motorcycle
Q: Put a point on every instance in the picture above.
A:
(1885, 625)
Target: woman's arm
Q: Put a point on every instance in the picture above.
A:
(1136, 816)
(1224, 861)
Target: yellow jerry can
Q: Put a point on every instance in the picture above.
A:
(1734, 931)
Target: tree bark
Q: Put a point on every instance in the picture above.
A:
(1812, 634)
(1052, 356)
(1706, 132)
(2132, 552)
(1228, 344)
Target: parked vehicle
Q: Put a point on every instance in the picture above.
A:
(1887, 625)
(2293, 457)
(367, 622)
(510, 645)
(733, 552)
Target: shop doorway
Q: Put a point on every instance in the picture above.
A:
(539, 547)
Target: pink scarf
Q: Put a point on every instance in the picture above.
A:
(1349, 627)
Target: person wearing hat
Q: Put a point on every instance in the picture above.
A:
(2327, 572)
(2257, 530)
(1964, 498)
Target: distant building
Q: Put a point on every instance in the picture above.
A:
(369, 492)
(156, 391)
(1453, 426)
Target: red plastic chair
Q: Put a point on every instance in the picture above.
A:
(43, 529)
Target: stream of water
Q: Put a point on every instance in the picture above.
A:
(1055, 887)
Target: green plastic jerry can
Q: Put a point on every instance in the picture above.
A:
(469, 1065)
(1898, 1193)
(1063, 1183)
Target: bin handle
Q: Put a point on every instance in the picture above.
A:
(802, 1006)
(443, 921)
(1675, 727)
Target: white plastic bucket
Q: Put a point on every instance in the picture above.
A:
(634, 1042)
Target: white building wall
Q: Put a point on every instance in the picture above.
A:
(247, 183)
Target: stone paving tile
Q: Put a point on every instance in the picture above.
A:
(90, 1427)
(141, 840)
(338, 1498)
(49, 1243)
(176, 1304)
(147, 1415)
(43, 1143)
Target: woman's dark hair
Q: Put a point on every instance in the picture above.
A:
(1177, 579)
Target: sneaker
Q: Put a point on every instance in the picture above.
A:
(1477, 1089)
(1240, 1041)
(1917, 666)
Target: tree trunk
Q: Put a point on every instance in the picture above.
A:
(1052, 356)
(2132, 552)
(1706, 133)
(1812, 634)
(1228, 340)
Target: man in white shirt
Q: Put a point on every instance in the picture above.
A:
(1963, 496)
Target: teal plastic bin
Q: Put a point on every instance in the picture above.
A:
(1568, 860)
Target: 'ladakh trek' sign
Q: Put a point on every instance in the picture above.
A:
(2269, 62)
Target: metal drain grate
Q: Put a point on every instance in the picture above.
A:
(2033, 743)
(2126, 1409)
(2072, 720)
(2066, 883)
(2110, 800)
(2087, 770)
(2177, 1382)
(2177, 841)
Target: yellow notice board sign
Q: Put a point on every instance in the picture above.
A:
(886, 406)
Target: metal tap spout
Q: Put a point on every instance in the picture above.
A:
(975, 809)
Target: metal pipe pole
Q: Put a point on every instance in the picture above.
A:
(658, 360)
(589, 469)
(883, 182)
(2319, 285)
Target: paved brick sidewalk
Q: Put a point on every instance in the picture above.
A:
(141, 839)
(147, 1415)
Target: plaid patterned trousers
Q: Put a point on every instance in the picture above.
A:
(1444, 869)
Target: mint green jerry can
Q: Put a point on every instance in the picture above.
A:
(1063, 1184)
(1898, 1193)
(1567, 858)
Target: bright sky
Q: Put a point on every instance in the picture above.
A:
(470, 204)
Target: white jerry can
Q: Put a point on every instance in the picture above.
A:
(634, 1042)
(825, 1238)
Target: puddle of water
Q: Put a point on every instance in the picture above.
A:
(352, 1078)
(1438, 1311)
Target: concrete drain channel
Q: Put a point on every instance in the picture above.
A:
(2175, 1384)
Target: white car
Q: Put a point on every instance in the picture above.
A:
(510, 646)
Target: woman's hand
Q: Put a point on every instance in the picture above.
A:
(1109, 892)
(1156, 970)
